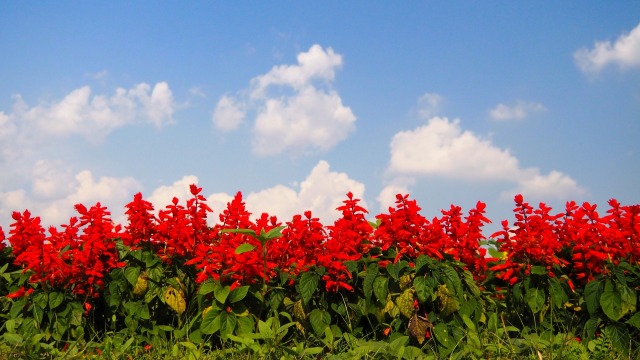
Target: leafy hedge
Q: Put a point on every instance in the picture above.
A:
(402, 286)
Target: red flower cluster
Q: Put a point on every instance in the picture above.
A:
(77, 258)
(579, 236)
(81, 253)
(411, 234)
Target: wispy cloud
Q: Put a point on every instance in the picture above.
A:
(429, 105)
(296, 109)
(624, 52)
(518, 111)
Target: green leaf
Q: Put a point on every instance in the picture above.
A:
(245, 325)
(319, 320)
(538, 270)
(629, 299)
(381, 288)
(611, 302)
(55, 299)
(442, 335)
(274, 233)
(132, 273)
(471, 283)
(249, 232)
(634, 320)
(12, 339)
(367, 285)
(307, 285)
(592, 293)
(535, 299)
(243, 248)
(395, 269)
(208, 287)
(210, 323)
(238, 293)
(452, 280)
(228, 323)
(222, 293)
(423, 291)
(557, 294)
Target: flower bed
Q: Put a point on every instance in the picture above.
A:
(401, 286)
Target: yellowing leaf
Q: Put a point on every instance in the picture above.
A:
(175, 299)
(141, 285)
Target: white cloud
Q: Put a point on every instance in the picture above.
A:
(624, 52)
(321, 192)
(310, 120)
(429, 105)
(313, 64)
(387, 196)
(296, 109)
(95, 116)
(553, 185)
(441, 148)
(56, 190)
(519, 111)
(228, 115)
(163, 195)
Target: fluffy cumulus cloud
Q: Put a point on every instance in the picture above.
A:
(518, 111)
(56, 189)
(163, 195)
(441, 148)
(624, 52)
(95, 116)
(47, 186)
(321, 192)
(295, 106)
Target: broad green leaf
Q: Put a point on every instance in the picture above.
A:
(367, 284)
(243, 248)
(222, 293)
(535, 299)
(319, 320)
(634, 320)
(132, 273)
(629, 299)
(238, 294)
(246, 325)
(538, 270)
(395, 269)
(210, 323)
(381, 288)
(423, 291)
(55, 299)
(441, 332)
(208, 287)
(611, 302)
(12, 339)
(228, 323)
(467, 276)
(452, 280)
(265, 329)
(308, 285)
(557, 293)
(592, 292)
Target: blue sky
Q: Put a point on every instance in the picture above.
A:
(297, 103)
